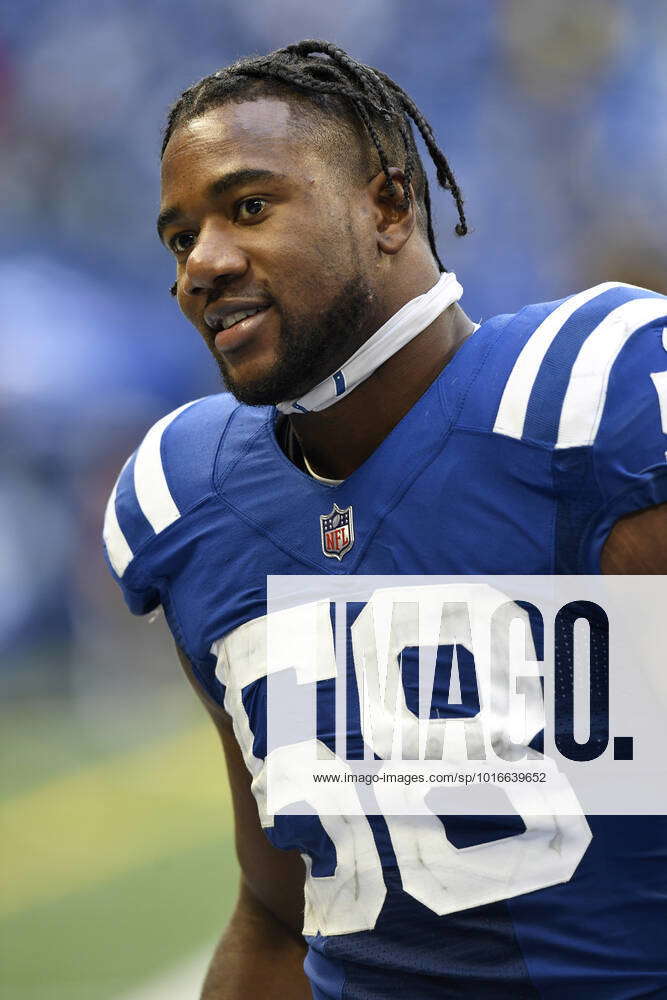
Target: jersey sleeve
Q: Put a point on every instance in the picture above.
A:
(618, 406)
(154, 499)
(126, 532)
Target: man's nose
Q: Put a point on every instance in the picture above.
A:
(214, 257)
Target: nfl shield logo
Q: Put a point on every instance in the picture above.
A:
(337, 530)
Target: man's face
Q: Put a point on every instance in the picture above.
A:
(257, 220)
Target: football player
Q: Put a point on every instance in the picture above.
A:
(371, 428)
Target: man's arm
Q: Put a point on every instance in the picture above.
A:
(256, 957)
(637, 543)
(262, 950)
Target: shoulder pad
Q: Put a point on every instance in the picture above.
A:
(555, 391)
(170, 473)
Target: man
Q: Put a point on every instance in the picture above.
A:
(385, 434)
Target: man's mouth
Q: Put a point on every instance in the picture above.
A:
(227, 315)
(236, 317)
(233, 330)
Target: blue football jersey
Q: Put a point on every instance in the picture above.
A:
(545, 428)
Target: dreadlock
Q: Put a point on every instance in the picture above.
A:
(340, 86)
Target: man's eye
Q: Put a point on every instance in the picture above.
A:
(182, 242)
(249, 208)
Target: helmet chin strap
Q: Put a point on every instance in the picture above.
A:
(398, 331)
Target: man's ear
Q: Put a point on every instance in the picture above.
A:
(394, 216)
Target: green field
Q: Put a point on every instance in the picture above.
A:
(116, 864)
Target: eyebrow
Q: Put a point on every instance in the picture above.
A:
(220, 186)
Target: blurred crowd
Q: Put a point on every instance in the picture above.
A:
(552, 115)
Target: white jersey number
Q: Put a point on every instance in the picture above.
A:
(441, 876)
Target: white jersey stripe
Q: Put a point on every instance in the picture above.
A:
(587, 389)
(660, 382)
(119, 552)
(150, 482)
(511, 415)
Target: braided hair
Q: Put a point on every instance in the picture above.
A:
(339, 86)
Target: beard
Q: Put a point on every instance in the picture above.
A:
(311, 348)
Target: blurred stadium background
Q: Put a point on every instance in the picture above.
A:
(117, 856)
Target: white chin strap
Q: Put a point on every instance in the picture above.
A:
(398, 331)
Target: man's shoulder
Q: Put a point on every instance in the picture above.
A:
(542, 375)
(171, 474)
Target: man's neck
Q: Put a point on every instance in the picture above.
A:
(339, 439)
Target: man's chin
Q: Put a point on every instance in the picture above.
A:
(250, 396)
(269, 390)
(248, 393)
